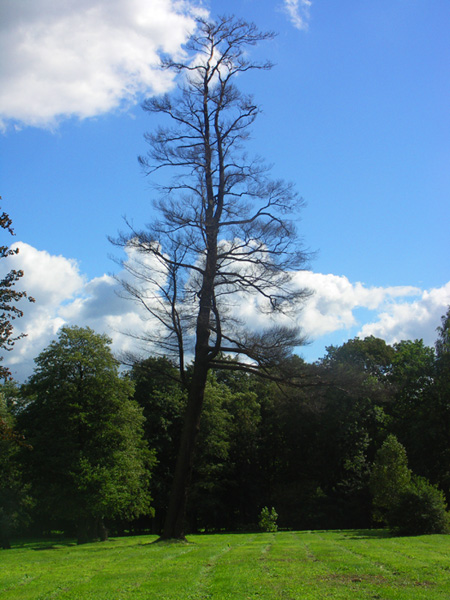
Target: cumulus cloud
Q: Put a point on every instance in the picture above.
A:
(85, 57)
(416, 320)
(335, 299)
(298, 12)
(65, 297)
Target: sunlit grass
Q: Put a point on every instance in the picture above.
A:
(285, 565)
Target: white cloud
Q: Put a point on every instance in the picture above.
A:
(52, 281)
(64, 296)
(335, 299)
(298, 12)
(85, 57)
(415, 320)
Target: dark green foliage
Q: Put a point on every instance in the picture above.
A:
(319, 453)
(159, 393)
(88, 460)
(371, 355)
(420, 509)
(390, 478)
(443, 341)
(15, 501)
(420, 411)
(223, 491)
(208, 506)
(441, 457)
(414, 402)
(408, 504)
(309, 451)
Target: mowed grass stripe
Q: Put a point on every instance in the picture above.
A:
(351, 559)
(407, 566)
(287, 565)
(240, 573)
(116, 568)
(409, 560)
(306, 567)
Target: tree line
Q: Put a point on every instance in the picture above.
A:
(89, 449)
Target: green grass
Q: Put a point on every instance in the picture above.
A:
(286, 565)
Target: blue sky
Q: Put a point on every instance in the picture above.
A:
(355, 113)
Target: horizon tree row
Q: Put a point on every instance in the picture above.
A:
(90, 449)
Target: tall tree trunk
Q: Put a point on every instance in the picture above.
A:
(83, 530)
(102, 531)
(5, 532)
(174, 526)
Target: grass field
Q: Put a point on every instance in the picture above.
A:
(284, 565)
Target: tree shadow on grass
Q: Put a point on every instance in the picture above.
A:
(60, 543)
(367, 534)
(45, 544)
(56, 546)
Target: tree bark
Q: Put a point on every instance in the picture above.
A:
(174, 526)
(83, 531)
(103, 533)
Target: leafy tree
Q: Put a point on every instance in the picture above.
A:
(208, 503)
(245, 488)
(15, 501)
(414, 408)
(223, 233)
(443, 341)
(441, 456)
(419, 408)
(331, 436)
(371, 355)
(89, 461)
(8, 299)
(390, 477)
(318, 446)
(158, 391)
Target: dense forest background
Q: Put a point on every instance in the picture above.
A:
(85, 449)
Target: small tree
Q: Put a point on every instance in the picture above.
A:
(88, 460)
(268, 520)
(390, 477)
(223, 235)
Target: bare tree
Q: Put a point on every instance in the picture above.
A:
(223, 232)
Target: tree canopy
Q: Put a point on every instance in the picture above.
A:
(88, 460)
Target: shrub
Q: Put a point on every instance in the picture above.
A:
(268, 519)
(420, 509)
(390, 477)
